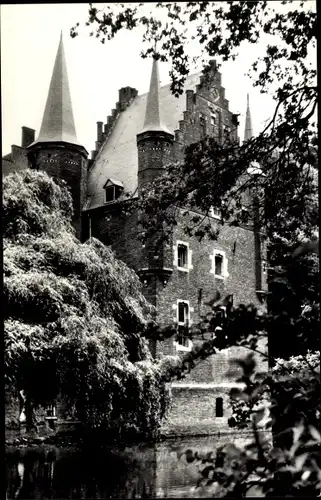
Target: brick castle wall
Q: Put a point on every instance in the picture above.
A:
(69, 163)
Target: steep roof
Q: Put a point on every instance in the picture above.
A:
(153, 120)
(118, 155)
(248, 132)
(58, 120)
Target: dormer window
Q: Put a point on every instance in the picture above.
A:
(110, 194)
(113, 190)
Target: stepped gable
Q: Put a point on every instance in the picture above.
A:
(117, 156)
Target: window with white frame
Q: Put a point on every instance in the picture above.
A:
(215, 212)
(51, 411)
(182, 256)
(219, 264)
(183, 322)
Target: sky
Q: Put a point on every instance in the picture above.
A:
(29, 42)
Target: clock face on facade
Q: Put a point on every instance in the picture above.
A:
(216, 94)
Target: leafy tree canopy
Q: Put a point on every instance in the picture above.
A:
(285, 149)
(73, 315)
(289, 398)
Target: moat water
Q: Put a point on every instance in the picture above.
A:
(154, 471)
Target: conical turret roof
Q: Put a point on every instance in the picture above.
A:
(58, 119)
(248, 131)
(153, 120)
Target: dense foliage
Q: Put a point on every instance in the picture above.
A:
(288, 397)
(73, 316)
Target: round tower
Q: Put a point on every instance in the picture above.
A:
(57, 150)
(155, 141)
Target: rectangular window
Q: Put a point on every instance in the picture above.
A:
(51, 411)
(215, 212)
(227, 131)
(219, 407)
(213, 123)
(202, 126)
(182, 313)
(182, 255)
(218, 264)
(109, 194)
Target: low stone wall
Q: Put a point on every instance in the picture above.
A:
(194, 410)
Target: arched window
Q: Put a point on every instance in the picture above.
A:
(219, 407)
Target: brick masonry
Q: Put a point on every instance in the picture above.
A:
(16, 161)
(207, 113)
(43, 425)
(67, 162)
(154, 152)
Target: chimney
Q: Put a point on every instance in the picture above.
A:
(126, 94)
(189, 99)
(27, 136)
(99, 131)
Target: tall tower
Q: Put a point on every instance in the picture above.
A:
(57, 150)
(252, 194)
(155, 141)
(155, 150)
(248, 131)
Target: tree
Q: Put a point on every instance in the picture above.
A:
(289, 395)
(73, 316)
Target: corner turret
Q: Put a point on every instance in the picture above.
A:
(57, 150)
(155, 141)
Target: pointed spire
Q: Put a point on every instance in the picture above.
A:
(58, 119)
(152, 117)
(248, 132)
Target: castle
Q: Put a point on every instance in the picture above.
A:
(142, 134)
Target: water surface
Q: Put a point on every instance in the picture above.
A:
(154, 471)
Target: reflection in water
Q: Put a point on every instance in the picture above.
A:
(162, 470)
